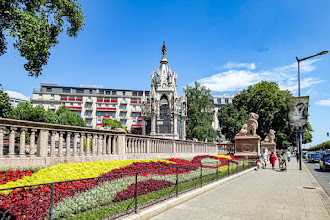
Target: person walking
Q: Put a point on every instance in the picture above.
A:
(272, 160)
(264, 158)
(288, 155)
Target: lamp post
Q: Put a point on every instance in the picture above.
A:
(299, 142)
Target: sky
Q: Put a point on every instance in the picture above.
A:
(222, 44)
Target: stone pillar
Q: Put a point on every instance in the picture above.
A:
(82, 138)
(94, 144)
(75, 144)
(153, 124)
(1, 141)
(121, 141)
(174, 147)
(114, 148)
(184, 127)
(109, 145)
(52, 144)
(33, 142)
(60, 144)
(175, 121)
(68, 144)
(192, 147)
(88, 146)
(12, 135)
(104, 150)
(143, 125)
(42, 149)
(22, 142)
(99, 145)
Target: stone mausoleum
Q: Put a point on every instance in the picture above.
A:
(168, 110)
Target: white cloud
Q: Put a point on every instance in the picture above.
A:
(235, 65)
(323, 102)
(285, 76)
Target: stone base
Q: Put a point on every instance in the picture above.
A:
(247, 147)
(270, 146)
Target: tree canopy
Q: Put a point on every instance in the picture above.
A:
(64, 116)
(114, 124)
(199, 113)
(323, 146)
(270, 103)
(35, 26)
(5, 105)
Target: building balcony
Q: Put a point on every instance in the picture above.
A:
(123, 102)
(114, 101)
(88, 116)
(136, 125)
(100, 100)
(74, 107)
(123, 109)
(99, 124)
(136, 110)
(106, 109)
(89, 101)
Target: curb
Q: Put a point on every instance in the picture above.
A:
(324, 197)
(171, 203)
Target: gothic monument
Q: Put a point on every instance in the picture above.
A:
(168, 110)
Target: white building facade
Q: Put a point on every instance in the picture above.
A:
(94, 104)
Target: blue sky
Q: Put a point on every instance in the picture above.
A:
(223, 44)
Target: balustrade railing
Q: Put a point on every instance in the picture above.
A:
(25, 139)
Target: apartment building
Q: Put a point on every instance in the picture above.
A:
(94, 104)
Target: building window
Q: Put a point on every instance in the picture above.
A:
(134, 107)
(40, 103)
(133, 115)
(40, 96)
(113, 106)
(80, 91)
(101, 91)
(124, 93)
(52, 105)
(219, 101)
(107, 105)
(90, 91)
(98, 105)
(107, 92)
(123, 107)
(71, 104)
(53, 111)
(79, 112)
(147, 93)
(226, 101)
(79, 104)
(123, 122)
(49, 89)
(140, 93)
(134, 93)
(66, 90)
(99, 114)
(99, 121)
(106, 114)
(114, 92)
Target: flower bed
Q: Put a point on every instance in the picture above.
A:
(109, 183)
(12, 176)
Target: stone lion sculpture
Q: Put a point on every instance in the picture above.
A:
(270, 137)
(251, 125)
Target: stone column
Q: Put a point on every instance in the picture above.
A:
(60, 144)
(109, 145)
(88, 145)
(114, 148)
(42, 149)
(1, 141)
(52, 144)
(68, 144)
(22, 142)
(104, 150)
(99, 145)
(33, 142)
(12, 135)
(173, 147)
(184, 127)
(143, 125)
(94, 144)
(75, 144)
(175, 121)
(153, 124)
(82, 137)
(121, 141)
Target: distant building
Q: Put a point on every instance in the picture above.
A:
(16, 97)
(219, 101)
(94, 104)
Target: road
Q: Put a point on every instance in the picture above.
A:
(323, 178)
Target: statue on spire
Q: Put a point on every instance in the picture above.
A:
(164, 49)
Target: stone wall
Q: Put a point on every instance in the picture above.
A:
(51, 144)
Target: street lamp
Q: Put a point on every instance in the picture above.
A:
(299, 142)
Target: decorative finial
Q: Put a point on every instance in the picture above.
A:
(164, 49)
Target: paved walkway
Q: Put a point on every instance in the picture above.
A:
(265, 194)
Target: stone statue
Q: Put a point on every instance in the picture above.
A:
(252, 124)
(270, 137)
(164, 49)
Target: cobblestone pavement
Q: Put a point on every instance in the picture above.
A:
(265, 194)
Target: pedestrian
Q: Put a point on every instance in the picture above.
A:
(288, 155)
(264, 158)
(266, 150)
(272, 160)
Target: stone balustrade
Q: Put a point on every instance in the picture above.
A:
(25, 143)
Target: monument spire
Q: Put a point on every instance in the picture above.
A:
(164, 52)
